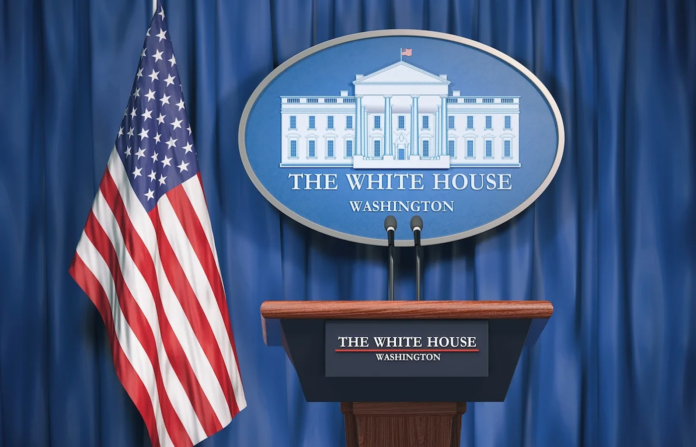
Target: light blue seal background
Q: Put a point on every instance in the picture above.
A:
(470, 70)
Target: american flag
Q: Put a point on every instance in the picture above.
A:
(147, 260)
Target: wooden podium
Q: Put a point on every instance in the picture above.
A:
(404, 403)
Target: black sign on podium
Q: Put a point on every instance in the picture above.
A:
(406, 348)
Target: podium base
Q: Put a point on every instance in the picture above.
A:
(403, 424)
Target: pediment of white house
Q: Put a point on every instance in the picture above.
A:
(402, 73)
(401, 78)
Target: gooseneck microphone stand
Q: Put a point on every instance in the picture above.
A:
(417, 227)
(390, 226)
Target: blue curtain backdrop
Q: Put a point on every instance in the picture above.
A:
(611, 243)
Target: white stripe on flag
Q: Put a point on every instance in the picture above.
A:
(138, 216)
(198, 281)
(191, 346)
(132, 348)
(134, 279)
(194, 191)
(143, 296)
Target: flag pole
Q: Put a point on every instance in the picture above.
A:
(401, 54)
(154, 7)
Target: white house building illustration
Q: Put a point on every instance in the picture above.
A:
(400, 117)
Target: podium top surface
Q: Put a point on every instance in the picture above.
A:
(406, 310)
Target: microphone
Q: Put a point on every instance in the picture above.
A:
(390, 226)
(417, 227)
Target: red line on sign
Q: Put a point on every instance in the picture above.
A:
(407, 350)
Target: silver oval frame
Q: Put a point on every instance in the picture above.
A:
(411, 33)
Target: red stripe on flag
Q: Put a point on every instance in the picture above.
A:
(140, 326)
(124, 370)
(193, 310)
(177, 357)
(196, 235)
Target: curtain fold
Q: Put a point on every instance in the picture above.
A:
(611, 243)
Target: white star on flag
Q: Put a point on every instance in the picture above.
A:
(171, 143)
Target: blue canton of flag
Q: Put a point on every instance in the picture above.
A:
(154, 141)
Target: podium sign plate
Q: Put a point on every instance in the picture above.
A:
(406, 348)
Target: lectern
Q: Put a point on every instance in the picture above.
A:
(404, 370)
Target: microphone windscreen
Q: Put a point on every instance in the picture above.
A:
(390, 222)
(416, 222)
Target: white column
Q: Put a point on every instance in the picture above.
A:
(443, 128)
(437, 149)
(357, 141)
(366, 134)
(415, 147)
(387, 127)
(413, 132)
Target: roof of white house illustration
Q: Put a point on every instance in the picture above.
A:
(404, 72)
